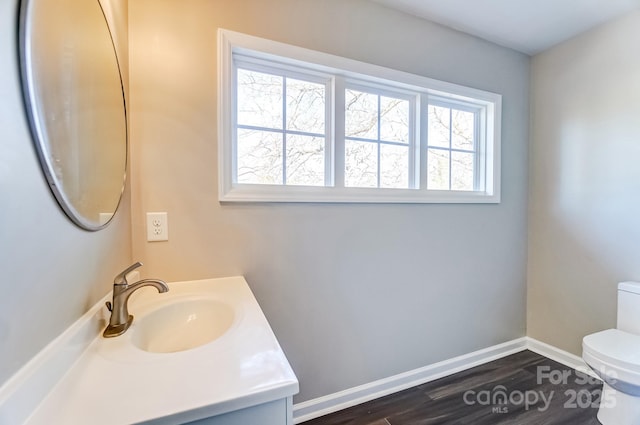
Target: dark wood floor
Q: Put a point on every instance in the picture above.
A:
(521, 389)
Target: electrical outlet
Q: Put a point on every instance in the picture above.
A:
(157, 226)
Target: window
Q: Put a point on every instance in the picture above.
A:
(281, 133)
(378, 140)
(302, 126)
(452, 147)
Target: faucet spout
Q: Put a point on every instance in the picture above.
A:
(160, 285)
(120, 319)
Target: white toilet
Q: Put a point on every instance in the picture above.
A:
(614, 355)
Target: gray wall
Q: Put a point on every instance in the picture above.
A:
(52, 272)
(584, 231)
(354, 292)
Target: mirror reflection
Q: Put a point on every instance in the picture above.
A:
(74, 96)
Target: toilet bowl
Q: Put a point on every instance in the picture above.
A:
(614, 355)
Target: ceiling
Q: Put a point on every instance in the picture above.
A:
(529, 26)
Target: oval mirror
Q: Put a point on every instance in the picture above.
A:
(75, 102)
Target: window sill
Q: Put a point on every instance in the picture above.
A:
(307, 194)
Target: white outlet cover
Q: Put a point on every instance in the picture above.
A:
(157, 226)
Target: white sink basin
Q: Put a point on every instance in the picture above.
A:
(182, 325)
(229, 360)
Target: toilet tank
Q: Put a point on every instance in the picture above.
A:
(629, 307)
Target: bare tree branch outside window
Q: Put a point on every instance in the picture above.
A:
(451, 153)
(377, 140)
(281, 137)
(281, 130)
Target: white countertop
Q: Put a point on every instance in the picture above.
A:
(115, 383)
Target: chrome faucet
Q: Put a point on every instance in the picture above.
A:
(120, 318)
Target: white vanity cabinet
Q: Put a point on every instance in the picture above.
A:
(277, 412)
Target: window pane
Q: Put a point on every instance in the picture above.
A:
(463, 130)
(394, 119)
(461, 171)
(361, 115)
(259, 157)
(361, 164)
(438, 172)
(259, 99)
(394, 166)
(305, 106)
(305, 160)
(438, 131)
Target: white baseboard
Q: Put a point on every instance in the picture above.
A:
(560, 356)
(353, 396)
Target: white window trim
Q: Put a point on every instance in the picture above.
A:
(230, 42)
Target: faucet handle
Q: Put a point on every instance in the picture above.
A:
(121, 279)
